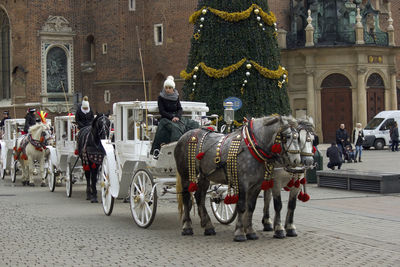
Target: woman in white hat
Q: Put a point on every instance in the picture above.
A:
(84, 116)
(171, 125)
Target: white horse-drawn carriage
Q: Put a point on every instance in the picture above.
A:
(11, 131)
(64, 162)
(129, 169)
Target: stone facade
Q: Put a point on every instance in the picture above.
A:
(108, 41)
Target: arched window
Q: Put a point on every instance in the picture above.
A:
(336, 80)
(57, 71)
(5, 92)
(376, 81)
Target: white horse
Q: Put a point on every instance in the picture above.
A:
(31, 148)
(290, 181)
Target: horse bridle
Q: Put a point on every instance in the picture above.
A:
(308, 140)
(295, 135)
(104, 129)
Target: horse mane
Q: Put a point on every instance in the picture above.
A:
(35, 127)
(306, 124)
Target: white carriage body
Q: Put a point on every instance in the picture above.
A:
(65, 132)
(11, 132)
(133, 142)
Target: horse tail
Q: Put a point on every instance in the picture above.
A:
(179, 197)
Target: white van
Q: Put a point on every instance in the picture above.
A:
(376, 133)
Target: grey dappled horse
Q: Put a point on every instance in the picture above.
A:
(250, 170)
(282, 177)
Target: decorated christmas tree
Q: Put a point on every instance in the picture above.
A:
(234, 53)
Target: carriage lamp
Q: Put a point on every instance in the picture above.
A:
(229, 115)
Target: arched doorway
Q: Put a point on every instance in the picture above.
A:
(156, 85)
(375, 95)
(5, 91)
(336, 105)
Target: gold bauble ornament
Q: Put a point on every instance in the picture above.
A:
(256, 11)
(196, 68)
(204, 11)
(248, 66)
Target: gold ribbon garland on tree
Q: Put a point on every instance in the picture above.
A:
(268, 18)
(222, 73)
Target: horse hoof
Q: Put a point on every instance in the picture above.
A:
(252, 236)
(291, 233)
(268, 228)
(42, 185)
(279, 234)
(31, 184)
(23, 183)
(240, 238)
(210, 231)
(94, 200)
(187, 231)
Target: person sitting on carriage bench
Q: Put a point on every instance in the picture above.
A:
(334, 156)
(84, 116)
(171, 126)
(30, 119)
(6, 116)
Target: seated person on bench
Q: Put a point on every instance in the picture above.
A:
(171, 126)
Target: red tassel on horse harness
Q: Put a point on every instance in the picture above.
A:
(200, 155)
(41, 140)
(286, 188)
(314, 150)
(231, 199)
(192, 187)
(24, 157)
(93, 165)
(265, 185)
(291, 183)
(306, 197)
(276, 148)
(19, 149)
(297, 183)
(300, 196)
(210, 128)
(76, 152)
(86, 167)
(15, 157)
(303, 180)
(15, 148)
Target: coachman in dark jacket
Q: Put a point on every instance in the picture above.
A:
(30, 119)
(84, 116)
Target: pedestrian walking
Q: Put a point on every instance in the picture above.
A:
(394, 136)
(341, 138)
(358, 139)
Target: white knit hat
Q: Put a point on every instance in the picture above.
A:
(85, 102)
(169, 82)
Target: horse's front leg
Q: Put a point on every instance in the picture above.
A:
(289, 225)
(31, 167)
(42, 172)
(279, 231)
(266, 220)
(200, 197)
(251, 205)
(241, 208)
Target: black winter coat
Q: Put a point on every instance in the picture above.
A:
(341, 134)
(358, 139)
(30, 120)
(83, 119)
(169, 108)
(333, 154)
(3, 121)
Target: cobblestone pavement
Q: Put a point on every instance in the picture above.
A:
(335, 228)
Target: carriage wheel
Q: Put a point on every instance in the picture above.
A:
(106, 198)
(50, 177)
(68, 181)
(143, 202)
(224, 213)
(14, 170)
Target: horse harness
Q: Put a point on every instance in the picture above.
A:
(95, 157)
(39, 145)
(230, 165)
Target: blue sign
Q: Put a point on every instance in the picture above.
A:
(237, 103)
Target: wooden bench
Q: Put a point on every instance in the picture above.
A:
(372, 181)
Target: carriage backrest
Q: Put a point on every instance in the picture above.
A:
(130, 122)
(12, 128)
(65, 128)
